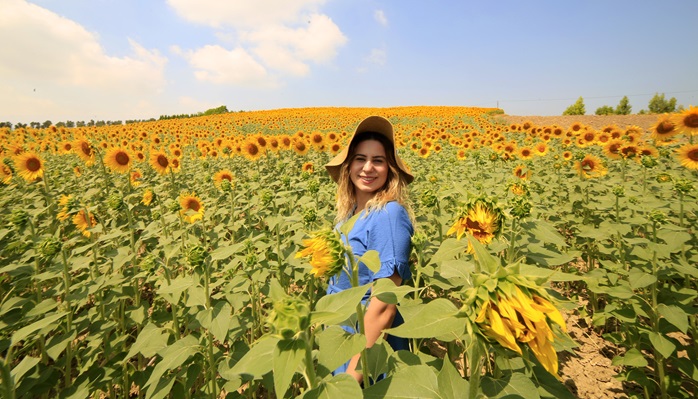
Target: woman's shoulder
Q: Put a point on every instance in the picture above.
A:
(392, 210)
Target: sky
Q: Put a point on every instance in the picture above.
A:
(111, 60)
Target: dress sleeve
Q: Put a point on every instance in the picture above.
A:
(391, 236)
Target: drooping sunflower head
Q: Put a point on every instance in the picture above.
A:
(481, 217)
(687, 121)
(83, 221)
(29, 166)
(325, 251)
(688, 156)
(222, 175)
(148, 197)
(590, 167)
(5, 173)
(308, 167)
(84, 150)
(665, 128)
(191, 207)
(118, 160)
(136, 177)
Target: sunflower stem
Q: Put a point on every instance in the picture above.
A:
(360, 317)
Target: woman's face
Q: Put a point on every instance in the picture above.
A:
(369, 168)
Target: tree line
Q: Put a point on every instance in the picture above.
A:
(657, 105)
(46, 124)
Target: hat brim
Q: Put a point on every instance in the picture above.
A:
(375, 124)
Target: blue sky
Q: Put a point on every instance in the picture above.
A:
(133, 59)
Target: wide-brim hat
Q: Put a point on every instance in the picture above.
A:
(373, 124)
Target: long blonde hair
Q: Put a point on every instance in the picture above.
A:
(395, 188)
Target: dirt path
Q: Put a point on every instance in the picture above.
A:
(595, 121)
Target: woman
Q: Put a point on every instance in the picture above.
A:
(372, 182)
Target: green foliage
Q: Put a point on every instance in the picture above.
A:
(604, 110)
(659, 105)
(576, 109)
(623, 107)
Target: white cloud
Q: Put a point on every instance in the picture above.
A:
(244, 14)
(51, 61)
(377, 57)
(379, 16)
(215, 64)
(285, 36)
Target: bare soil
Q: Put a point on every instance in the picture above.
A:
(596, 121)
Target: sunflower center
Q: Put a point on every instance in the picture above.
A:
(665, 127)
(252, 149)
(691, 121)
(227, 177)
(162, 161)
(85, 147)
(693, 155)
(194, 205)
(33, 164)
(588, 164)
(122, 158)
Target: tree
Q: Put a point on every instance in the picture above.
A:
(576, 109)
(605, 110)
(659, 105)
(624, 107)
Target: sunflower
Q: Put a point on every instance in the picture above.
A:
(65, 147)
(587, 138)
(83, 222)
(522, 172)
(648, 151)
(687, 121)
(664, 129)
(175, 165)
(317, 139)
(462, 155)
(567, 155)
(221, 175)
(5, 173)
(628, 151)
(251, 150)
(326, 253)
(308, 167)
(148, 196)
(541, 149)
(335, 148)
(29, 166)
(118, 160)
(612, 148)
(136, 177)
(299, 146)
(192, 209)
(160, 162)
(481, 218)
(84, 150)
(424, 152)
(525, 153)
(590, 167)
(285, 142)
(77, 171)
(688, 156)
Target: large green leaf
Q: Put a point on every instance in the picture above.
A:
(512, 386)
(435, 319)
(335, 308)
(372, 260)
(386, 290)
(288, 355)
(662, 344)
(341, 386)
(674, 315)
(632, 358)
(545, 232)
(26, 331)
(414, 382)
(22, 368)
(451, 384)
(171, 292)
(173, 356)
(149, 341)
(639, 279)
(259, 360)
(449, 249)
(338, 346)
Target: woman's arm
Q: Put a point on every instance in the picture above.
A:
(378, 317)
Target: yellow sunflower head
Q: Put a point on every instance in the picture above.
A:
(191, 207)
(590, 167)
(688, 156)
(481, 217)
(29, 166)
(665, 128)
(325, 252)
(118, 160)
(687, 121)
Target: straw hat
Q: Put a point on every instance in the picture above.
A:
(374, 124)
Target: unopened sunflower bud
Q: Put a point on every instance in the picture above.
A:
(309, 216)
(663, 178)
(619, 191)
(657, 217)
(49, 247)
(313, 187)
(19, 217)
(429, 198)
(648, 162)
(684, 186)
(520, 207)
(173, 206)
(149, 262)
(226, 186)
(196, 255)
(289, 317)
(115, 201)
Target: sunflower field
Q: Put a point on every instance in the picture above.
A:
(188, 258)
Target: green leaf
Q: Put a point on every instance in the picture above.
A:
(451, 384)
(548, 274)
(487, 262)
(674, 315)
(377, 358)
(632, 358)
(639, 279)
(149, 341)
(448, 250)
(435, 319)
(386, 290)
(22, 368)
(24, 332)
(457, 269)
(338, 346)
(259, 360)
(515, 385)
(662, 344)
(545, 232)
(372, 260)
(173, 356)
(288, 355)
(221, 253)
(174, 290)
(341, 386)
(348, 225)
(414, 382)
(221, 320)
(335, 308)
(57, 344)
